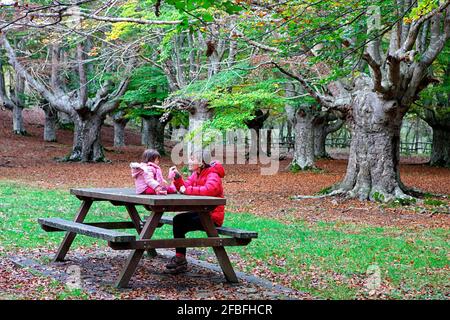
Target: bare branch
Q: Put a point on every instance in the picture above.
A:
(325, 101)
(82, 75)
(335, 126)
(377, 73)
(61, 102)
(438, 37)
(240, 35)
(109, 19)
(414, 31)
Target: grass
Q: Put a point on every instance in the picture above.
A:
(326, 259)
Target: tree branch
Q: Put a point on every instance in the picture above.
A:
(325, 101)
(377, 73)
(83, 94)
(109, 19)
(62, 103)
(335, 126)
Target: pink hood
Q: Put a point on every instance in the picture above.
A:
(217, 167)
(146, 175)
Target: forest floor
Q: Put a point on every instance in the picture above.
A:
(28, 161)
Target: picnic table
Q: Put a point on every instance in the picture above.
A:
(146, 226)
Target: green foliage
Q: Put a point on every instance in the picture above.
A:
(180, 119)
(148, 85)
(378, 197)
(66, 126)
(403, 201)
(295, 168)
(423, 7)
(192, 6)
(185, 171)
(434, 202)
(325, 191)
(235, 94)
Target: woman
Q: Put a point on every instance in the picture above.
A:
(206, 180)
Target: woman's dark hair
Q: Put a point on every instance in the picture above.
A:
(150, 155)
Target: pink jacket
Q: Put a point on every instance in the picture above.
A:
(146, 175)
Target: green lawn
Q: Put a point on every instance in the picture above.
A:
(324, 259)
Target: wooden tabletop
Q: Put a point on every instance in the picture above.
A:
(130, 196)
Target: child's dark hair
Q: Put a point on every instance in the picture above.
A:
(150, 155)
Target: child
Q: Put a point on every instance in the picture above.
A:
(148, 176)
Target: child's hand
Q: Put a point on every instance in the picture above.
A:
(160, 190)
(173, 171)
(135, 165)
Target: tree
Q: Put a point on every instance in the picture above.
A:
(323, 125)
(13, 98)
(434, 108)
(256, 123)
(376, 101)
(147, 90)
(87, 112)
(312, 123)
(119, 122)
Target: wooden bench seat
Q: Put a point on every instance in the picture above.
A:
(57, 224)
(232, 232)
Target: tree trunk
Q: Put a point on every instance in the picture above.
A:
(373, 165)
(18, 127)
(322, 128)
(197, 118)
(64, 120)
(320, 135)
(440, 151)
(120, 123)
(154, 133)
(51, 119)
(87, 145)
(144, 132)
(304, 141)
(256, 124)
(119, 133)
(269, 142)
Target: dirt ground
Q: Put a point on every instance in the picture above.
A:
(149, 282)
(30, 160)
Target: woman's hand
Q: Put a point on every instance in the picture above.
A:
(182, 189)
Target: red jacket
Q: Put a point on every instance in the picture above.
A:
(207, 183)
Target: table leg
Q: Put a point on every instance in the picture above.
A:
(220, 252)
(70, 236)
(134, 215)
(135, 256)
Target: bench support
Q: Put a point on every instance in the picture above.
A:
(70, 236)
(178, 243)
(133, 259)
(220, 252)
(134, 215)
